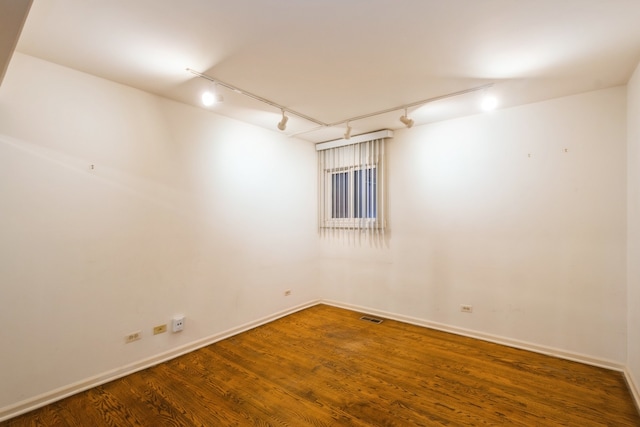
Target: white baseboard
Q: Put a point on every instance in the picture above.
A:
(633, 386)
(523, 345)
(71, 389)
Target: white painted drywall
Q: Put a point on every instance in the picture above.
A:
(184, 212)
(188, 212)
(633, 236)
(491, 211)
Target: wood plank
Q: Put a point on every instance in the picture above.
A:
(325, 367)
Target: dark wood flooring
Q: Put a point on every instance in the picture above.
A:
(325, 367)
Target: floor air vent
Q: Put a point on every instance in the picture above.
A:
(371, 319)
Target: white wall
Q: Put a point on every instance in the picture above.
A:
(491, 211)
(189, 212)
(633, 218)
(184, 212)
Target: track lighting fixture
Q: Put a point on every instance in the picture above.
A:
(406, 120)
(489, 103)
(283, 123)
(212, 97)
(347, 134)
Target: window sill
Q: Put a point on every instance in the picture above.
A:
(353, 224)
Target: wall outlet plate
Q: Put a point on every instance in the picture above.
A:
(177, 323)
(159, 329)
(133, 336)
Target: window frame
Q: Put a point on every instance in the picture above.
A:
(351, 220)
(359, 152)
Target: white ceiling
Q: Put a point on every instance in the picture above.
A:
(337, 59)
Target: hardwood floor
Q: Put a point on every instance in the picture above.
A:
(325, 367)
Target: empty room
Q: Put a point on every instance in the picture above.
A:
(324, 213)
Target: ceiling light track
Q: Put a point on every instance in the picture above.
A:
(255, 97)
(341, 122)
(414, 104)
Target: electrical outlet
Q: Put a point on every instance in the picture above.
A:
(159, 329)
(287, 292)
(177, 323)
(466, 308)
(133, 336)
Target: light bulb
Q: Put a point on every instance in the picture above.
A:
(208, 99)
(489, 103)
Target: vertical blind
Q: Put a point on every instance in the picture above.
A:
(351, 189)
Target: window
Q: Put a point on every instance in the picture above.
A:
(353, 192)
(351, 186)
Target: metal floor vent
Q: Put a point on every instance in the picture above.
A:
(371, 319)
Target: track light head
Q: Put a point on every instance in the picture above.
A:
(210, 98)
(489, 103)
(283, 123)
(347, 134)
(408, 122)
